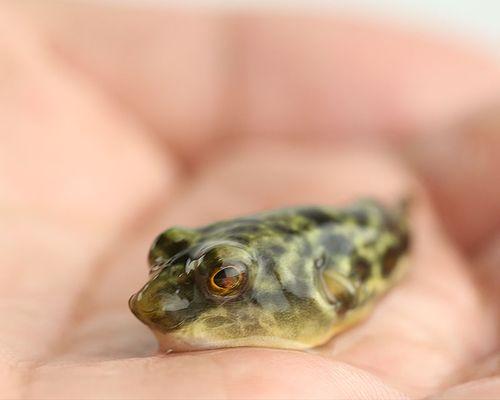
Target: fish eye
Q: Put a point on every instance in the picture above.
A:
(227, 279)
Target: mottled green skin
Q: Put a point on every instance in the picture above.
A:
(312, 272)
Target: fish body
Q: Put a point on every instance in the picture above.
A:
(289, 278)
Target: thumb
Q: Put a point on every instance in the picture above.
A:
(461, 168)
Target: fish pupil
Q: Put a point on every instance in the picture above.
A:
(227, 277)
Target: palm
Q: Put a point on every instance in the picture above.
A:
(88, 188)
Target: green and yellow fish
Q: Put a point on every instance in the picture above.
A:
(289, 278)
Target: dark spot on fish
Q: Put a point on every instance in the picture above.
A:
(184, 279)
(361, 268)
(164, 247)
(266, 260)
(211, 260)
(335, 244)
(361, 217)
(239, 238)
(245, 229)
(284, 229)
(252, 229)
(317, 216)
(287, 238)
(344, 301)
(390, 259)
(405, 242)
(277, 250)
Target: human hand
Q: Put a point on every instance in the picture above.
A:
(116, 124)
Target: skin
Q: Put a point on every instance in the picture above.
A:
(100, 151)
(298, 276)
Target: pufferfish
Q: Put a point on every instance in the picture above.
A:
(289, 278)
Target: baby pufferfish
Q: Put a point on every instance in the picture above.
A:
(289, 278)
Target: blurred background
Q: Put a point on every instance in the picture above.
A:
(466, 19)
(195, 76)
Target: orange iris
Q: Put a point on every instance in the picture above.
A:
(226, 279)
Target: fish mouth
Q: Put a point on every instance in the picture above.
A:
(160, 304)
(139, 312)
(152, 312)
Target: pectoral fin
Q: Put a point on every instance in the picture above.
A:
(339, 289)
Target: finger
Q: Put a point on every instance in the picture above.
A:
(484, 389)
(197, 77)
(483, 383)
(461, 169)
(481, 380)
(431, 319)
(74, 174)
(225, 374)
(168, 67)
(487, 275)
(281, 77)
